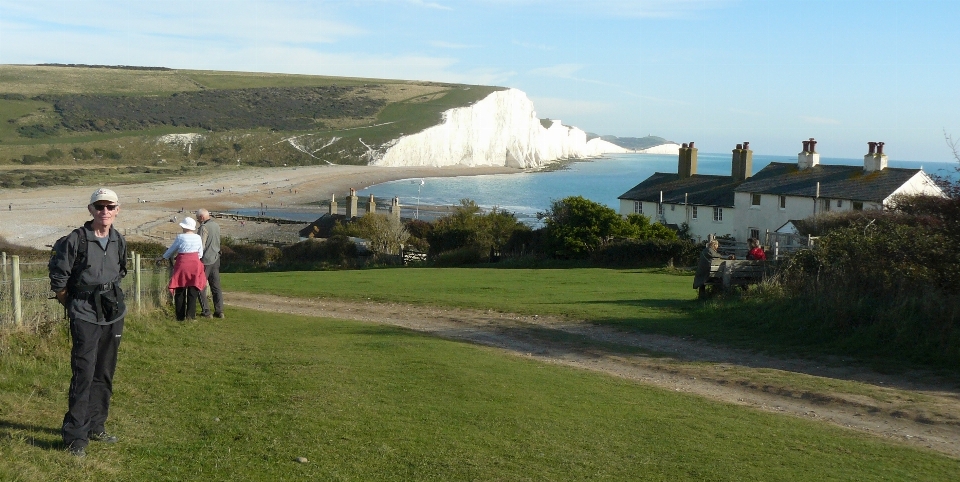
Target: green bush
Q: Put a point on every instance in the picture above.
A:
(576, 227)
(647, 253)
(337, 250)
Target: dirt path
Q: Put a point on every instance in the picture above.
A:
(916, 409)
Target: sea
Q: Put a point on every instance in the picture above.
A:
(527, 193)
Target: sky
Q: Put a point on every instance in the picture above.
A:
(717, 72)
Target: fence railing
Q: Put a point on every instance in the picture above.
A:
(26, 299)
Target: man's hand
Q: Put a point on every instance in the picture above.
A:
(62, 297)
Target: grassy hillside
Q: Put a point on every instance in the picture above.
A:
(242, 399)
(72, 117)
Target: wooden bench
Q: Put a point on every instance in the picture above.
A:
(738, 272)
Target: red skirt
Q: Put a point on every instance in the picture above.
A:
(188, 271)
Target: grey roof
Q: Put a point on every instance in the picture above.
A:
(699, 189)
(836, 182)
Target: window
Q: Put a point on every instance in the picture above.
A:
(783, 202)
(638, 207)
(673, 207)
(756, 200)
(839, 203)
(694, 215)
(857, 206)
(718, 214)
(660, 209)
(754, 233)
(824, 205)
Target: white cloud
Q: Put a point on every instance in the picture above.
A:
(421, 3)
(624, 8)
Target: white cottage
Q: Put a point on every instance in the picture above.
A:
(704, 202)
(782, 192)
(742, 206)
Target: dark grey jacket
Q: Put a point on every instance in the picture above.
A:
(209, 232)
(103, 266)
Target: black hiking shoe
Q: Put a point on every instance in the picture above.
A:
(76, 451)
(104, 437)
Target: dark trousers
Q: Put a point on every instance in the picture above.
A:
(213, 280)
(93, 360)
(185, 302)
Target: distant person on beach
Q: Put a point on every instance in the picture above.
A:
(188, 277)
(210, 234)
(85, 273)
(756, 252)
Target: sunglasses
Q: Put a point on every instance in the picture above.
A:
(108, 207)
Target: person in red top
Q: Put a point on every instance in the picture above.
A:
(188, 278)
(756, 252)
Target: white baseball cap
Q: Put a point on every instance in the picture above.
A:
(104, 194)
(188, 223)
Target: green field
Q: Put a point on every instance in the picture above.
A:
(241, 399)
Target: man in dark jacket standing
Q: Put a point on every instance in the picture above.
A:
(85, 274)
(209, 232)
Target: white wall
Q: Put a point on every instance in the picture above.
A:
(678, 214)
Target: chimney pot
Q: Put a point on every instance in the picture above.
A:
(683, 146)
(871, 148)
(880, 148)
(746, 145)
(740, 146)
(691, 144)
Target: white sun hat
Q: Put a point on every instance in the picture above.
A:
(104, 194)
(188, 223)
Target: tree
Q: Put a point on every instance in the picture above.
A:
(384, 233)
(576, 226)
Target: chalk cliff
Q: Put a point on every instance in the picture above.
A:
(671, 148)
(500, 130)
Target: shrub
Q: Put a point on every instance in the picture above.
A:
(647, 253)
(576, 227)
(338, 250)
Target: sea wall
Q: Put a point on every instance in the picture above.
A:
(500, 130)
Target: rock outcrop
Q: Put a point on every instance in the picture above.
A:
(500, 130)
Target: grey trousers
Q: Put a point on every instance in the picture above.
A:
(213, 280)
(93, 360)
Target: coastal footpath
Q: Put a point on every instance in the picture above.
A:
(500, 130)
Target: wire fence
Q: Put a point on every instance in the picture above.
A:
(26, 299)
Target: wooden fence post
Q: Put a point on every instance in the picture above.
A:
(4, 263)
(137, 280)
(16, 293)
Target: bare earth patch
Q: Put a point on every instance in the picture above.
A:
(917, 409)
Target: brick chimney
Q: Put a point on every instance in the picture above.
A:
(742, 166)
(333, 204)
(395, 208)
(372, 207)
(687, 165)
(809, 157)
(352, 204)
(875, 160)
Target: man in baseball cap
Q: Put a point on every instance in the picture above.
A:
(85, 274)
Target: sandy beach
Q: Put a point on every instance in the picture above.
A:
(38, 217)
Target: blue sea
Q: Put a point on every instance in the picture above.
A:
(527, 193)
(601, 180)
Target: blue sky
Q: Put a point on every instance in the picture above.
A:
(718, 72)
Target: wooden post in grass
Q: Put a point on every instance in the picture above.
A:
(138, 286)
(15, 292)
(4, 264)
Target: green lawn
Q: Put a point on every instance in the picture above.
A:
(240, 399)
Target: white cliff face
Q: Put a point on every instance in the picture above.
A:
(668, 148)
(500, 130)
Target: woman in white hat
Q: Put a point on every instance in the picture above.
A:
(188, 278)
